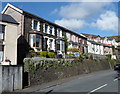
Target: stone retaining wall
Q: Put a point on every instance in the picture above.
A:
(45, 71)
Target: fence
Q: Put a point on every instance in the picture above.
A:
(10, 78)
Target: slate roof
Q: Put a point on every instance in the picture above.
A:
(87, 35)
(8, 19)
(39, 18)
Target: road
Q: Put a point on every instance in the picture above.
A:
(106, 81)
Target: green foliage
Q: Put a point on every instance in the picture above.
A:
(32, 52)
(109, 56)
(85, 56)
(73, 50)
(51, 54)
(113, 48)
(117, 38)
(70, 54)
(43, 54)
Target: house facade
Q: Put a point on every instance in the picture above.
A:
(77, 41)
(8, 40)
(35, 32)
(94, 43)
(39, 34)
(101, 45)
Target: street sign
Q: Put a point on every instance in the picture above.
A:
(77, 54)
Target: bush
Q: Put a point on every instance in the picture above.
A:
(85, 56)
(43, 54)
(32, 52)
(73, 50)
(51, 54)
(70, 54)
(109, 56)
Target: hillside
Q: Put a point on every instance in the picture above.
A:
(117, 38)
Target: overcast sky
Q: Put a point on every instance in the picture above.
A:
(99, 18)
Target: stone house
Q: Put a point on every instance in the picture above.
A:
(77, 41)
(39, 34)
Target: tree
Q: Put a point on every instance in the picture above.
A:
(66, 44)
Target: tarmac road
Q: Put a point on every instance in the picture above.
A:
(105, 82)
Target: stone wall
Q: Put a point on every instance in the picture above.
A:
(10, 78)
(43, 71)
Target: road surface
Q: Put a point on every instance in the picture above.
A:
(106, 81)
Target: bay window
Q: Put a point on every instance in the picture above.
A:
(37, 41)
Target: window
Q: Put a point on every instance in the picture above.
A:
(70, 37)
(1, 52)
(51, 27)
(50, 43)
(62, 45)
(35, 25)
(46, 27)
(58, 44)
(58, 32)
(37, 41)
(2, 29)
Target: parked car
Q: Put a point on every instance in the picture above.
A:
(59, 54)
(117, 67)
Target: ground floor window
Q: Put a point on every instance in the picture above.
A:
(1, 52)
(36, 40)
(63, 47)
(45, 46)
(51, 43)
(58, 44)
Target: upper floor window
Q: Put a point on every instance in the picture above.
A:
(51, 29)
(70, 37)
(2, 29)
(58, 32)
(36, 25)
(46, 27)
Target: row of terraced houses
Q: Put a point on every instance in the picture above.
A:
(33, 32)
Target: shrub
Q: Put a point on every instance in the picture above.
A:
(32, 52)
(43, 54)
(70, 54)
(73, 50)
(51, 54)
(85, 56)
(109, 56)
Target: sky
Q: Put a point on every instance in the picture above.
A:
(98, 18)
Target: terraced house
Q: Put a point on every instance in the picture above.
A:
(41, 35)
(8, 40)
(101, 45)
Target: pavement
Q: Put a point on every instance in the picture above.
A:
(102, 81)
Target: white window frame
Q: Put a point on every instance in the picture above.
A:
(38, 24)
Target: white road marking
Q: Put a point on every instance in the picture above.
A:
(97, 88)
(115, 79)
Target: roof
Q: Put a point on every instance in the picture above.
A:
(110, 38)
(8, 19)
(32, 15)
(93, 42)
(67, 30)
(87, 35)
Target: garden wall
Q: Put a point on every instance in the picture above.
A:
(46, 70)
(10, 78)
